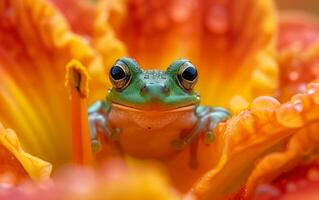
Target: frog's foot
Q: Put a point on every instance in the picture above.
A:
(207, 117)
(98, 123)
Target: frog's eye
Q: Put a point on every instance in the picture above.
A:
(187, 76)
(120, 75)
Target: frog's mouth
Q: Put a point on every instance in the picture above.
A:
(155, 108)
(152, 119)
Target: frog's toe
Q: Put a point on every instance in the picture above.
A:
(96, 146)
(209, 137)
(219, 115)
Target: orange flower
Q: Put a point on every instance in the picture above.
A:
(232, 43)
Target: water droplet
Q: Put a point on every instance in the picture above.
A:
(293, 76)
(302, 87)
(302, 102)
(217, 19)
(264, 102)
(311, 91)
(268, 190)
(180, 10)
(289, 116)
(298, 105)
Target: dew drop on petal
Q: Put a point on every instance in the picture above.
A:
(305, 100)
(293, 76)
(298, 105)
(217, 19)
(312, 88)
(311, 91)
(264, 102)
(302, 87)
(288, 115)
(180, 10)
(266, 192)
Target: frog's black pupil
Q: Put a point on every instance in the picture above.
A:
(190, 73)
(117, 73)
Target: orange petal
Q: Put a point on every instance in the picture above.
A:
(91, 20)
(16, 161)
(251, 134)
(35, 45)
(304, 143)
(79, 13)
(231, 42)
(298, 58)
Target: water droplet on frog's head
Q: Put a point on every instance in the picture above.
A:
(217, 19)
(180, 10)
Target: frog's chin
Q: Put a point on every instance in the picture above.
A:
(152, 119)
(155, 108)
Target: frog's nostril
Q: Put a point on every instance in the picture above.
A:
(144, 89)
(154, 90)
(165, 90)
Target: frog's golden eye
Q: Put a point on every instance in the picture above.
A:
(187, 76)
(120, 75)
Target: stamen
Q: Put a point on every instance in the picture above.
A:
(77, 79)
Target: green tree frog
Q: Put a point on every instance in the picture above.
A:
(152, 113)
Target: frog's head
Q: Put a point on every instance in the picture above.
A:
(141, 89)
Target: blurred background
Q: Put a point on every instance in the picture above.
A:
(307, 5)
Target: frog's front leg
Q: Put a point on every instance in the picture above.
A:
(207, 117)
(99, 123)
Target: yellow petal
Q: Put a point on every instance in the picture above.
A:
(250, 135)
(36, 43)
(36, 168)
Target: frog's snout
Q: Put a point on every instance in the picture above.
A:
(155, 90)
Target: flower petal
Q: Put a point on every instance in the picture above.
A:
(250, 135)
(298, 58)
(92, 21)
(36, 168)
(303, 144)
(301, 182)
(113, 182)
(35, 45)
(231, 42)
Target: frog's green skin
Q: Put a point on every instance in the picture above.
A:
(152, 92)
